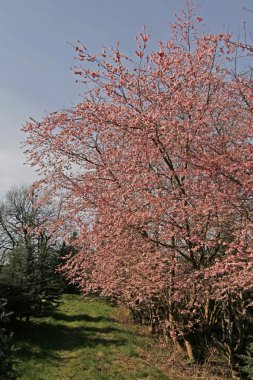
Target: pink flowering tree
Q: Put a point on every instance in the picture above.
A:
(154, 168)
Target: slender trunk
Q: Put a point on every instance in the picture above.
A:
(189, 350)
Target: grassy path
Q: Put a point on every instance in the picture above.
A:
(83, 341)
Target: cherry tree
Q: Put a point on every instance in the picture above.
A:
(154, 167)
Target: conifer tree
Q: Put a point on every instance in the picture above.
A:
(7, 348)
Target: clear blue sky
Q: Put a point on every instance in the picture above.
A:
(36, 58)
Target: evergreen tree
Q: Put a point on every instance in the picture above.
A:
(7, 348)
(28, 277)
(247, 366)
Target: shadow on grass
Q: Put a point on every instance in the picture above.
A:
(79, 318)
(46, 341)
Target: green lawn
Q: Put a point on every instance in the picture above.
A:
(82, 340)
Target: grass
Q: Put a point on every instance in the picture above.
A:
(83, 340)
(92, 340)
